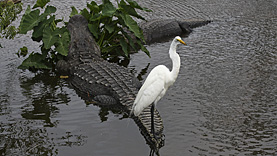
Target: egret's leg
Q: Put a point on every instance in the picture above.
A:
(152, 120)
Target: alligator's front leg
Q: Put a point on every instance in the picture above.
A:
(105, 100)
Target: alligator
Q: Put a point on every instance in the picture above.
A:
(157, 30)
(109, 84)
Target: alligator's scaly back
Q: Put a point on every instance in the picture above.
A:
(156, 30)
(188, 24)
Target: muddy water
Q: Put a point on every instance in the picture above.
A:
(224, 101)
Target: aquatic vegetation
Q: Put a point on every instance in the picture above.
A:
(8, 13)
(113, 28)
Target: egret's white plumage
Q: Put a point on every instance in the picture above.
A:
(158, 81)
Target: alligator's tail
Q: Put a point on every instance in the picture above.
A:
(144, 122)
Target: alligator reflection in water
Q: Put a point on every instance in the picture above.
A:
(40, 109)
(29, 137)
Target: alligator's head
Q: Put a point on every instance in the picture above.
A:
(82, 45)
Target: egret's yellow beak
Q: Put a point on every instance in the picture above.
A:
(181, 41)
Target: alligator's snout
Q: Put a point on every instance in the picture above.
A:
(77, 22)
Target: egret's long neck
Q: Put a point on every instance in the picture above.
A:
(175, 60)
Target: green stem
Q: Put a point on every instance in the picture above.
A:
(113, 35)
(100, 42)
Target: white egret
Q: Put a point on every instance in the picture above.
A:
(157, 83)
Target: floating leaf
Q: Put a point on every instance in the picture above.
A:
(41, 3)
(22, 52)
(34, 61)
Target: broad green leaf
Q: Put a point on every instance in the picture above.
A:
(85, 13)
(28, 10)
(108, 9)
(49, 10)
(41, 3)
(93, 28)
(63, 43)
(38, 30)
(49, 38)
(29, 21)
(61, 30)
(93, 7)
(110, 27)
(143, 48)
(135, 5)
(73, 12)
(129, 10)
(95, 17)
(44, 52)
(130, 40)
(132, 25)
(34, 61)
(33, 18)
(124, 46)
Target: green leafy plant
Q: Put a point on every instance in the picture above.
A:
(55, 40)
(8, 13)
(114, 29)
